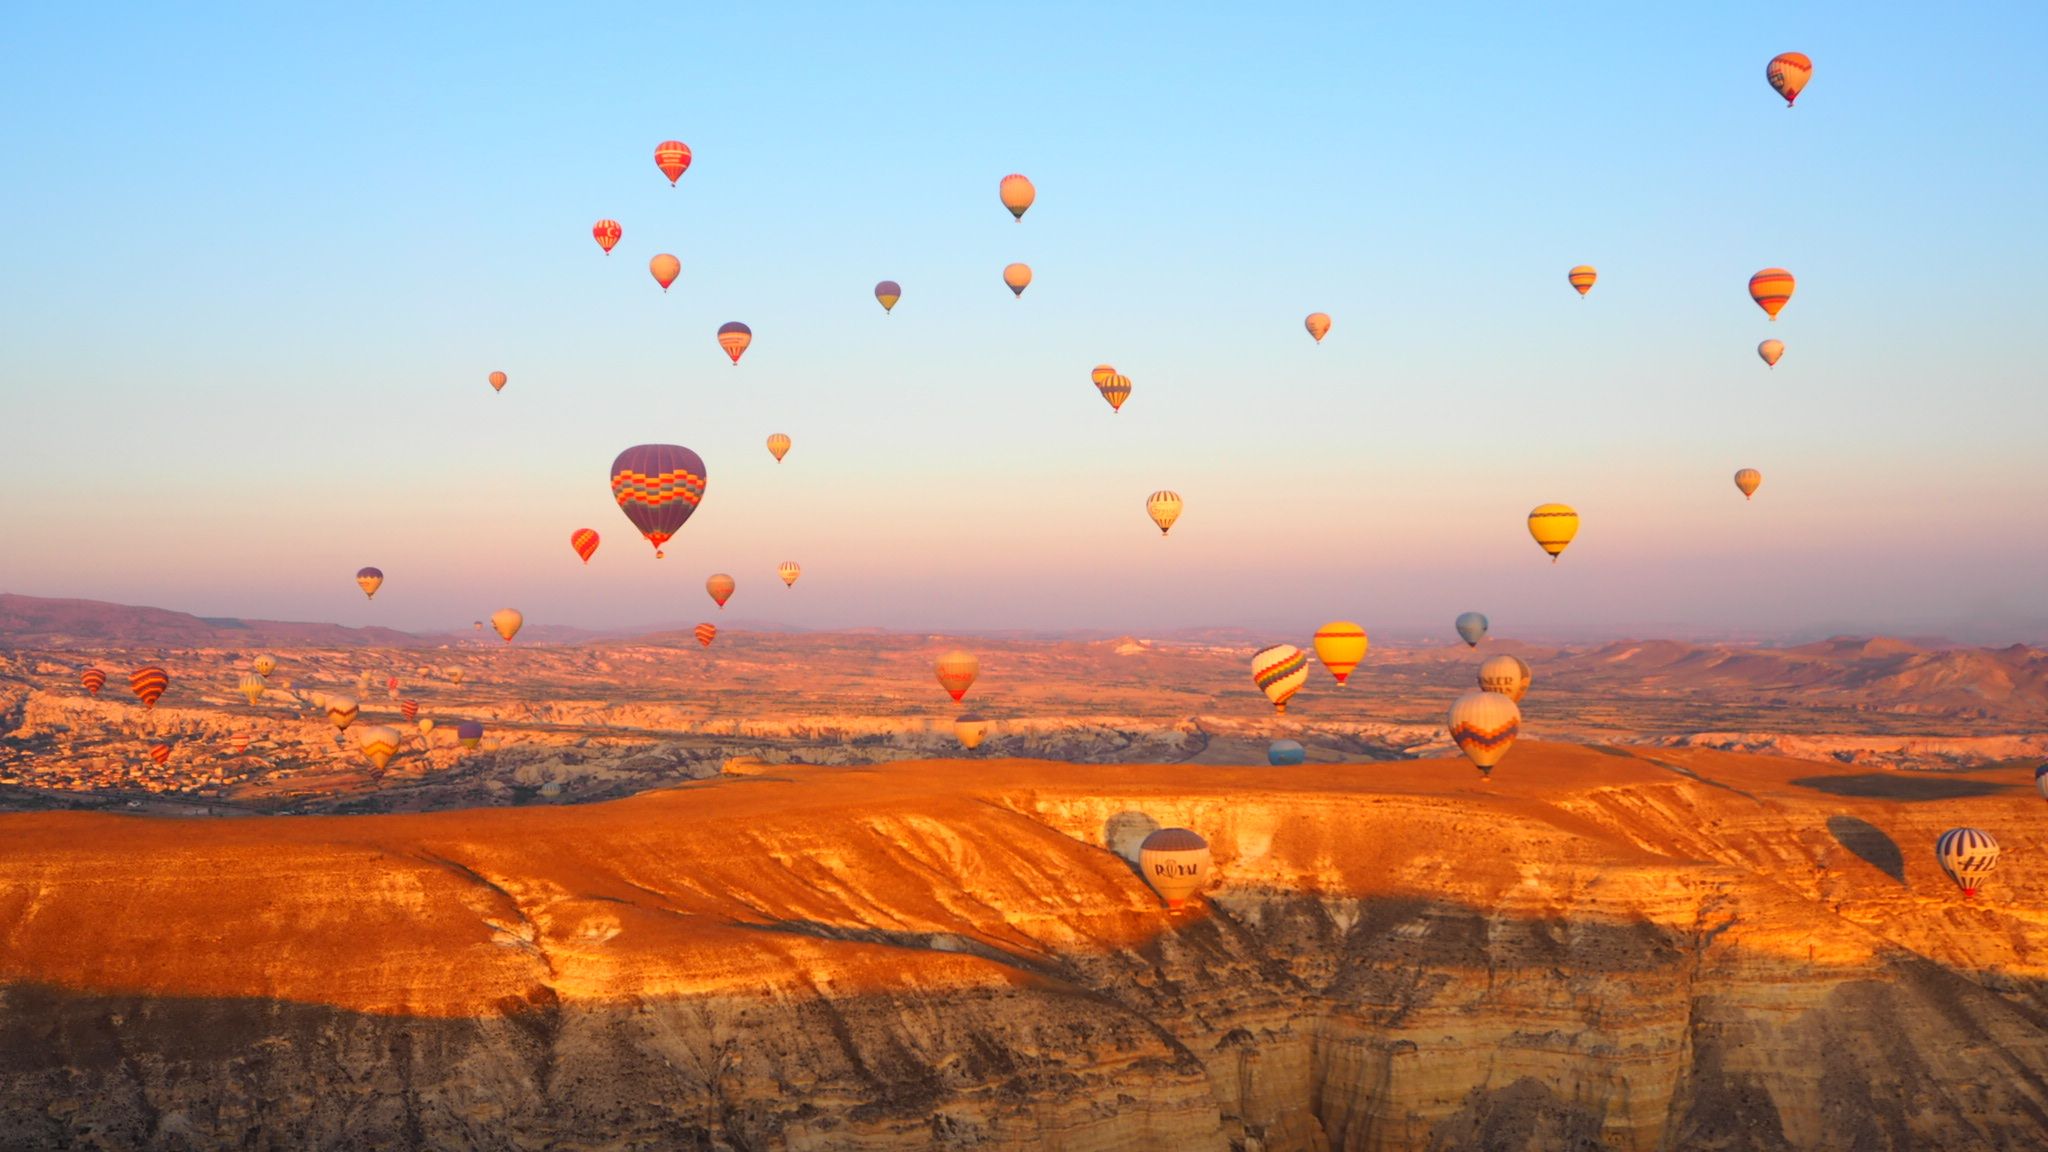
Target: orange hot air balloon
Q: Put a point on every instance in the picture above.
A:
(148, 684)
(778, 446)
(673, 158)
(1018, 277)
(584, 541)
(1788, 72)
(956, 671)
(1770, 289)
(734, 337)
(93, 679)
(1017, 194)
(1749, 480)
(720, 586)
(1582, 278)
(789, 570)
(1116, 389)
(1101, 374)
(498, 381)
(507, 622)
(706, 633)
(160, 753)
(607, 233)
(1770, 350)
(1318, 325)
(665, 269)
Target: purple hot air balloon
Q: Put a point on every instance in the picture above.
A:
(469, 733)
(657, 487)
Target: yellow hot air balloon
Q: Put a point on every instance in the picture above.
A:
(665, 268)
(1553, 526)
(778, 446)
(454, 673)
(1771, 288)
(1175, 862)
(1018, 277)
(789, 570)
(507, 622)
(1788, 72)
(1115, 388)
(1484, 726)
(1101, 374)
(378, 743)
(1017, 194)
(1770, 350)
(252, 686)
(264, 665)
(1507, 675)
(1582, 278)
(1748, 479)
(1340, 645)
(341, 711)
(1318, 325)
(971, 731)
(1164, 508)
(426, 724)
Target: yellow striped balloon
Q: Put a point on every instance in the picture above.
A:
(789, 570)
(1771, 288)
(1553, 526)
(1018, 277)
(1280, 671)
(1505, 674)
(778, 446)
(1340, 645)
(342, 710)
(1749, 480)
(1484, 726)
(252, 686)
(1582, 278)
(378, 744)
(1770, 350)
(1116, 389)
(1318, 325)
(1164, 508)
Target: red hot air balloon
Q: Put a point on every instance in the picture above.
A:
(607, 233)
(706, 633)
(160, 753)
(410, 709)
(734, 337)
(93, 679)
(498, 380)
(673, 158)
(657, 487)
(148, 684)
(584, 541)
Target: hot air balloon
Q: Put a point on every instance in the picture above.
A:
(1582, 278)
(469, 733)
(1018, 277)
(426, 727)
(506, 622)
(1484, 726)
(1553, 526)
(734, 337)
(454, 673)
(1017, 194)
(1285, 753)
(664, 268)
(498, 380)
(2041, 781)
(657, 487)
(720, 586)
(1770, 289)
(1280, 671)
(1116, 389)
(252, 686)
(1340, 645)
(238, 743)
(160, 753)
(378, 744)
(789, 570)
(1967, 855)
(778, 446)
(369, 580)
(706, 633)
(673, 158)
(1507, 675)
(1164, 508)
(1101, 373)
(956, 671)
(1788, 73)
(1471, 628)
(607, 233)
(410, 709)
(148, 684)
(971, 730)
(584, 541)
(342, 711)
(1770, 350)
(888, 292)
(1318, 325)
(264, 665)
(94, 680)
(1175, 862)
(1748, 479)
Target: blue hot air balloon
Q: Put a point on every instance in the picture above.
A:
(1472, 626)
(1285, 753)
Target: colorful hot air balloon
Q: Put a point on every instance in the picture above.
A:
(1770, 289)
(1484, 726)
(1553, 526)
(1175, 862)
(657, 487)
(734, 337)
(970, 730)
(1967, 855)
(1318, 325)
(1505, 674)
(1164, 508)
(1770, 350)
(720, 586)
(1340, 645)
(238, 743)
(888, 292)
(498, 380)
(956, 671)
(1018, 277)
(410, 709)
(1286, 753)
(342, 711)
(161, 753)
(706, 633)
(673, 158)
(2041, 781)
(664, 268)
(1101, 373)
(378, 744)
(584, 541)
(506, 622)
(778, 446)
(469, 733)
(1788, 73)
(1582, 278)
(789, 570)
(1280, 671)
(148, 684)
(1116, 389)
(1471, 628)
(369, 580)
(607, 233)
(252, 686)
(454, 671)
(264, 665)
(1748, 479)
(94, 680)
(1017, 194)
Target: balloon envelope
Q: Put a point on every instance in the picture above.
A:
(507, 622)
(93, 679)
(778, 446)
(1164, 508)
(1340, 645)
(1280, 671)
(607, 233)
(1017, 194)
(1285, 753)
(369, 580)
(342, 710)
(1472, 627)
(665, 268)
(148, 684)
(160, 753)
(673, 158)
(706, 633)
(1553, 526)
(971, 730)
(789, 570)
(1771, 288)
(1967, 855)
(1507, 675)
(1484, 726)
(2041, 781)
(1318, 325)
(1788, 72)
(468, 733)
(498, 380)
(584, 541)
(1115, 388)
(1748, 480)
(657, 487)
(1770, 350)
(720, 586)
(252, 686)
(888, 292)
(1175, 862)
(1101, 373)
(1018, 277)
(734, 337)
(1582, 278)
(956, 671)
(378, 743)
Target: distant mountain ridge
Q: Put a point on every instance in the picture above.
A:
(40, 622)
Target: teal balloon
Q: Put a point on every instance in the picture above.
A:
(1472, 626)
(1285, 753)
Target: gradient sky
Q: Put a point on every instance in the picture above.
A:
(259, 262)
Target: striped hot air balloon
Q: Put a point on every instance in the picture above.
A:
(1748, 480)
(1484, 726)
(1018, 277)
(584, 541)
(506, 622)
(238, 743)
(1340, 645)
(1175, 862)
(734, 337)
(252, 686)
(1582, 278)
(148, 684)
(956, 671)
(1967, 855)
(1553, 526)
(1770, 350)
(664, 268)
(264, 665)
(378, 744)
(1017, 194)
(161, 753)
(887, 293)
(706, 633)
(1280, 671)
(673, 158)
(1286, 753)
(778, 446)
(789, 570)
(1164, 508)
(720, 586)
(369, 580)
(94, 680)
(1318, 325)
(1471, 628)
(391, 687)
(342, 711)
(657, 487)
(469, 733)
(410, 709)
(1771, 288)
(1788, 72)
(970, 730)
(498, 380)
(1115, 388)
(1505, 674)
(607, 233)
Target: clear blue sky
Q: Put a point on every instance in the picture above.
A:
(259, 263)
